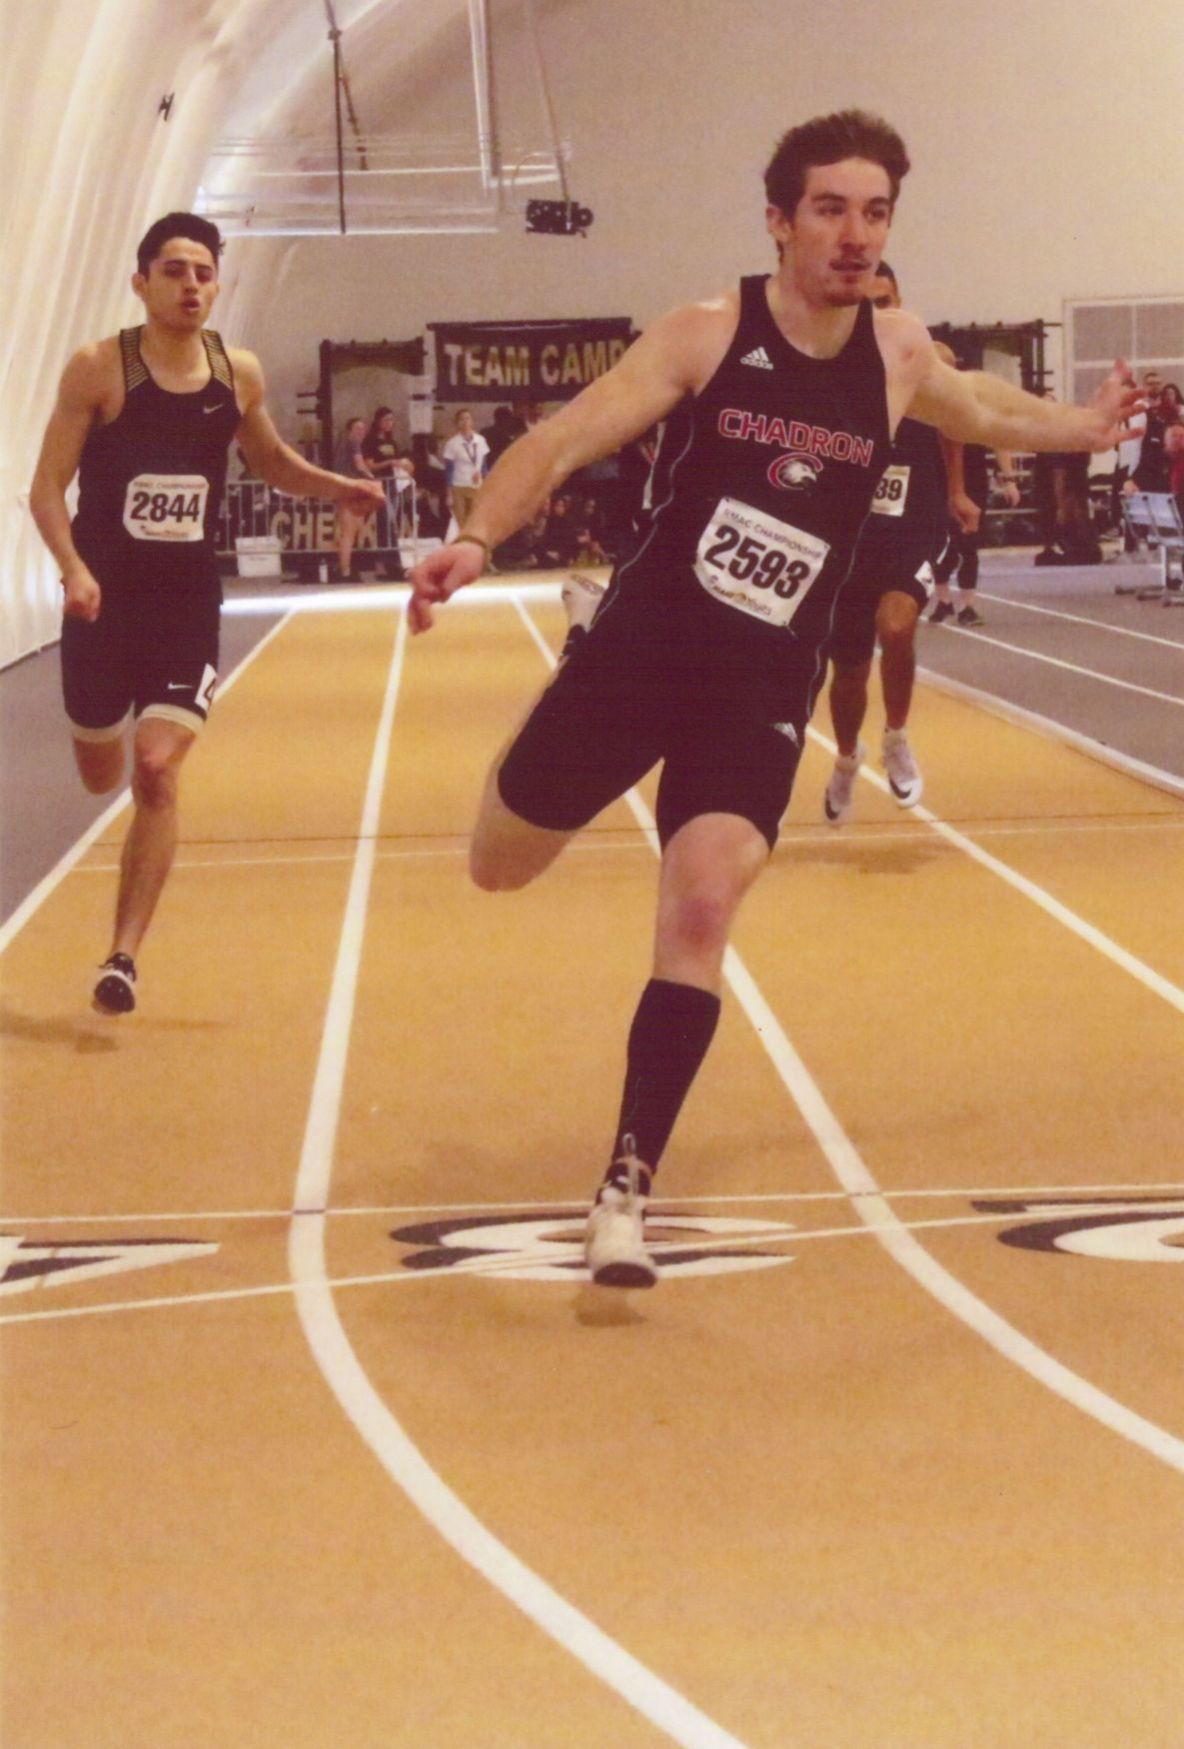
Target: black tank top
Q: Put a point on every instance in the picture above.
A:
(761, 484)
(151, 482)
(909, 505)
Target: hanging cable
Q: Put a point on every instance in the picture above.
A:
(335, 39)
(487, 147)
(540, 65)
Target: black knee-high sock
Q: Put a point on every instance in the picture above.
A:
(672, 1028)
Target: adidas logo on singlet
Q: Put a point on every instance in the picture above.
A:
(759, 357)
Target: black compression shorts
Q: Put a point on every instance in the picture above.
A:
(151, 651)
(907, 569)
(615, 709)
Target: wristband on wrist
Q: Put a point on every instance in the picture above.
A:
(474, 540)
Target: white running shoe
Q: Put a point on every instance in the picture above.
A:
(904, 779)
(614, 1239)
(839, 799)
(581, 595)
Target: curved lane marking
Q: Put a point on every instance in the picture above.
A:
(654, 1699)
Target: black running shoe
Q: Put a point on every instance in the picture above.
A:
(115, 992)
(970, 616)
(943, 611)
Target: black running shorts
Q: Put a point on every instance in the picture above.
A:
(616, 708)
(876, 572)
(149, 650)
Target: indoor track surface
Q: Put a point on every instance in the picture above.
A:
(315, 1433)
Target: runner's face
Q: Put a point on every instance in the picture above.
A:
(836, 235)
(180, 286)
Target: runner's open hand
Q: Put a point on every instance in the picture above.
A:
(1115, 405)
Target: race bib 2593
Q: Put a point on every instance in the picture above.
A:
(757, 564)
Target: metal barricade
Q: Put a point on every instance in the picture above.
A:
(245, 514)
(401, 515)
(1154, 518)
(306, 529)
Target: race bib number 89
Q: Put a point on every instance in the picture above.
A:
(168, 507)
(756, 564)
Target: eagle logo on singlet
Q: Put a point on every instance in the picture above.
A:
(793, 472)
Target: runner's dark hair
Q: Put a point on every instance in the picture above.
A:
(828, 139)
(191, 225)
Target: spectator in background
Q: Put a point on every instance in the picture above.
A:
(466, 463)
(525, 414)
(1150, 473)
(561, 536)
(1127, 460)
(960, 559)
(501, 434)
(1172, 407)
(379, 446)
(381, 450)
(1175, 448)
(432, 487)
(590, 534)
(521, 551)
(1062, 494)
(351, 462)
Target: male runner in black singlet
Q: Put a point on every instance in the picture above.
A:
(145, 418)
(888, 585)
(708, 648)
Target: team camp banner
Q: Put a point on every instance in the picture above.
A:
(525, 361)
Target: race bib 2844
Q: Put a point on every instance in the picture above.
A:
(166, 507)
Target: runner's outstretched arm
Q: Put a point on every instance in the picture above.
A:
(672, 358)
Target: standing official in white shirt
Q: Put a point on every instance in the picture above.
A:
(466, 461)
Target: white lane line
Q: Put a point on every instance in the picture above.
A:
(996, 706)
(1087, 932)
(561, 1251)
(1154, 1192)
(34, 900)
(1082, 619)
(371, 598)
(1069, 667)
(665, 1708)
(875, 1209)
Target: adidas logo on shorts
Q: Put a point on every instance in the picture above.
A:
(759, 357)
